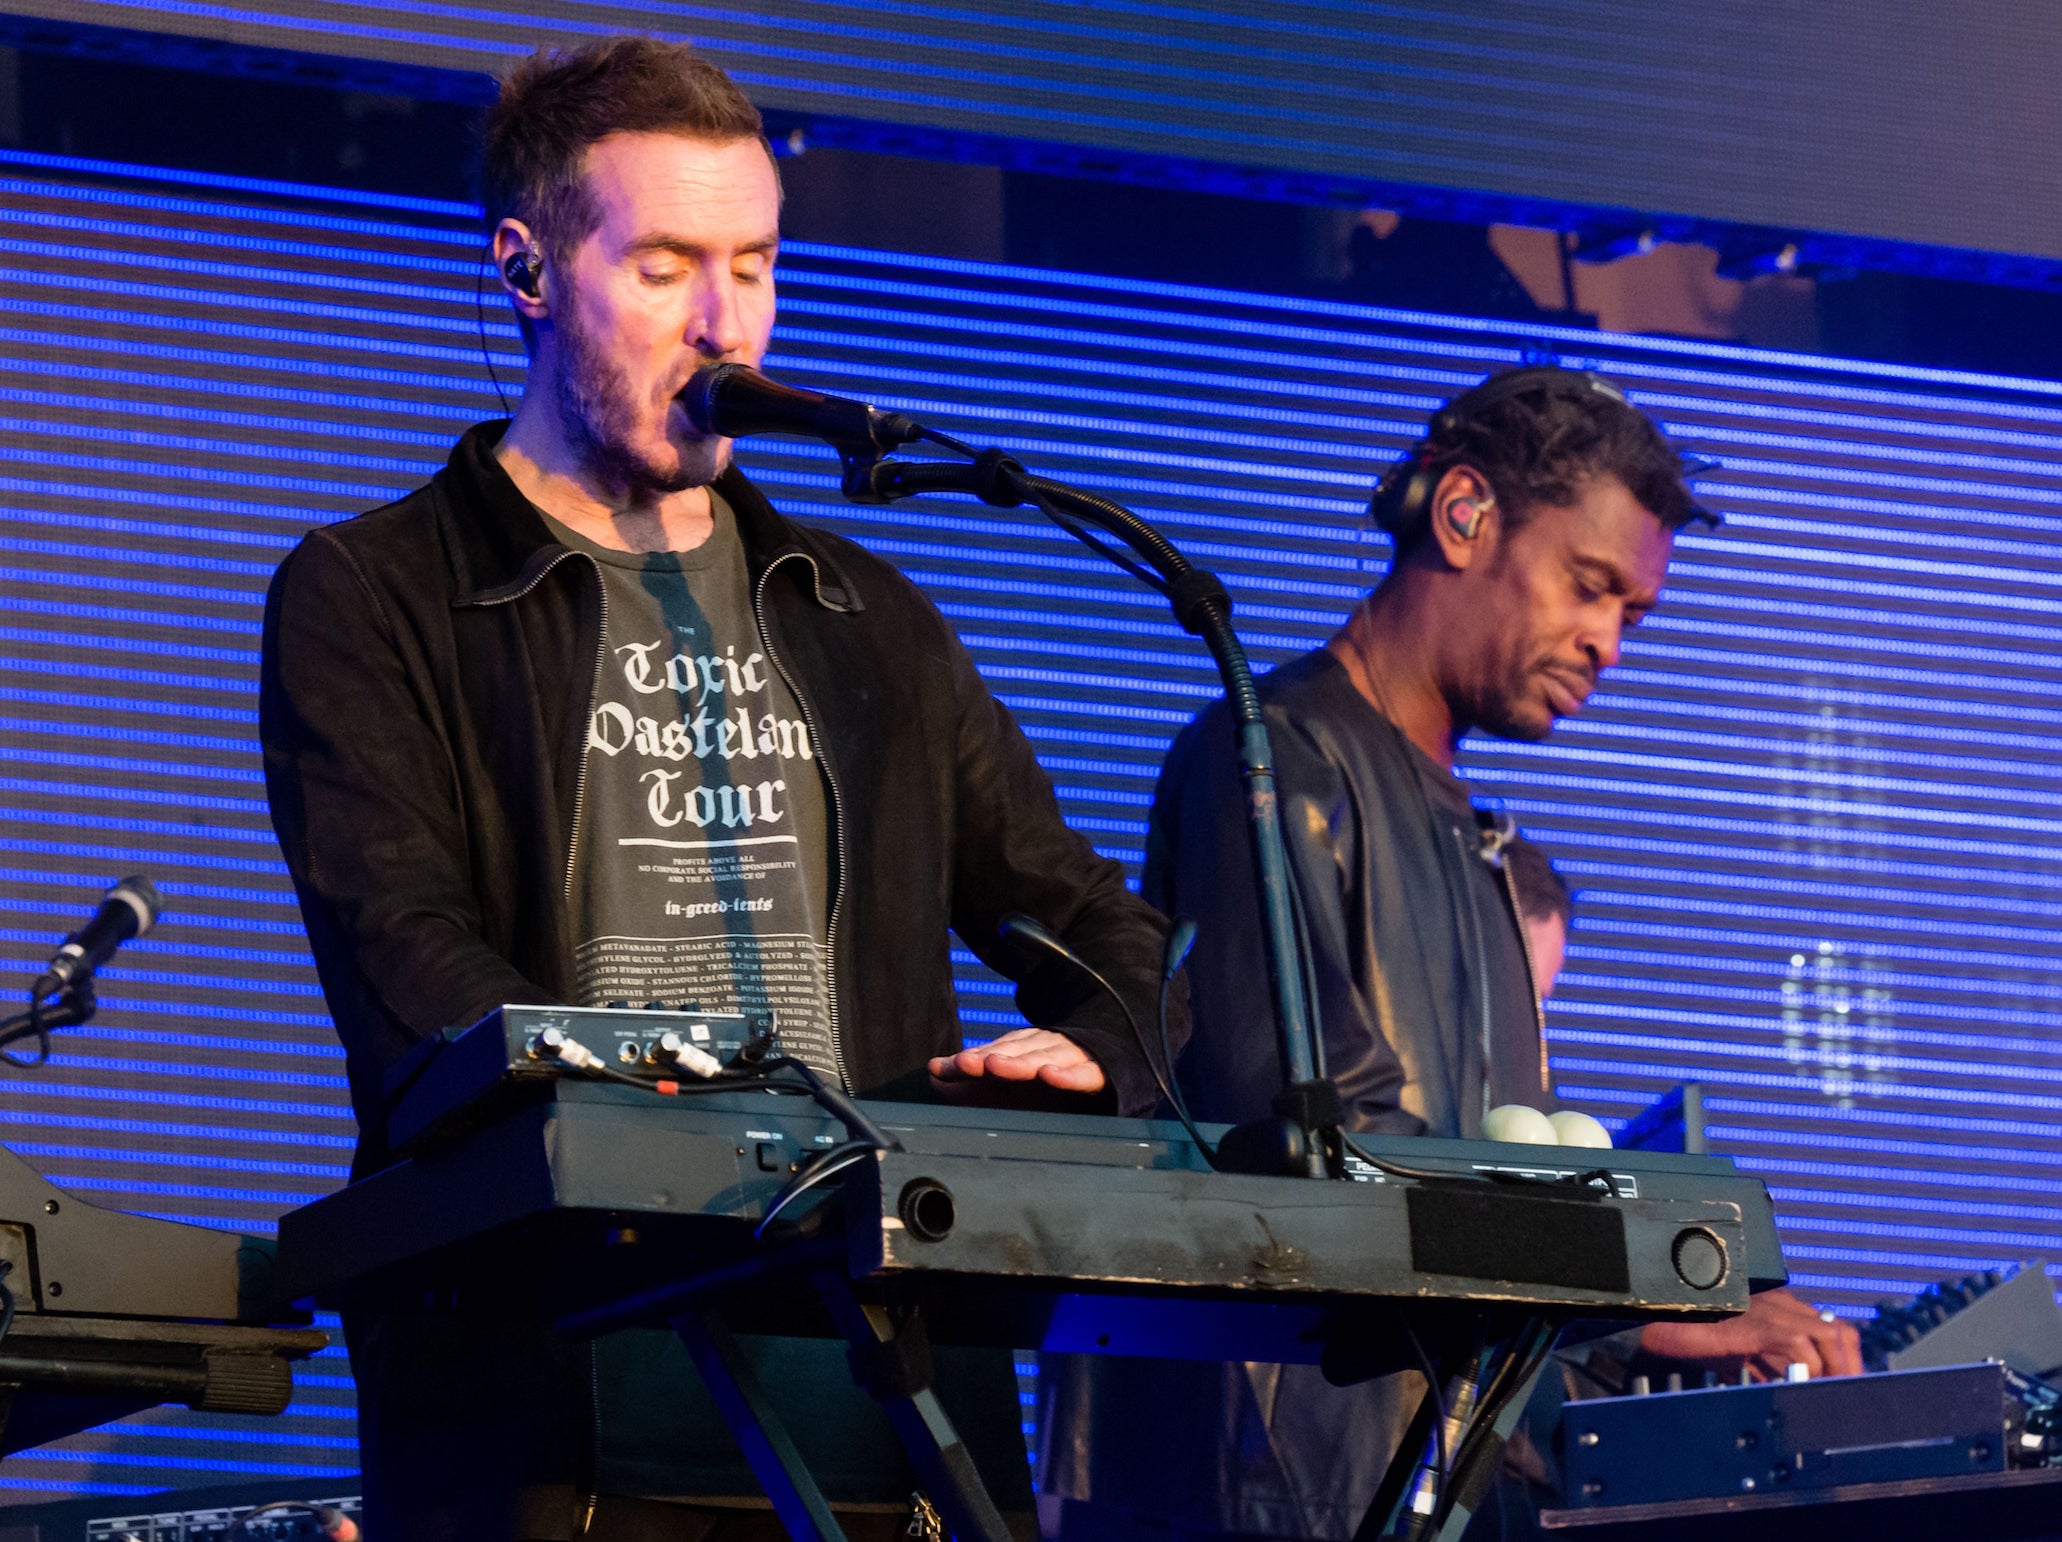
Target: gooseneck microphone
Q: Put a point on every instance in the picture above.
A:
(128, 910)
(735, 400)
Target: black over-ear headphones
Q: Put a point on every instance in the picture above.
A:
(521, 271)
(1403, 498)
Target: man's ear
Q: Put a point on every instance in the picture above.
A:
(519, 263)
(1463, 513)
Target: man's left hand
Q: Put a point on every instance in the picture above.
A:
(997, 1072)
(1776, 1331)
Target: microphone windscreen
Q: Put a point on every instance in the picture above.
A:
(698, 396)
(141, 896)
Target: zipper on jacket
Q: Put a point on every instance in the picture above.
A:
(592, 1498)
(593, 693)
(830, 781)
(601, 648)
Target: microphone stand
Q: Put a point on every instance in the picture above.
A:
(1302, 1138)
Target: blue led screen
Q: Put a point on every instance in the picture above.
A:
(1900, 121)
(1811, 819)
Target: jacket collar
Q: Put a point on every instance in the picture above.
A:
(500, 546)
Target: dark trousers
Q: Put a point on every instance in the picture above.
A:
(467, 1431)
(481, 1431)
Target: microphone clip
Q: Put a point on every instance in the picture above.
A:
(995, 478)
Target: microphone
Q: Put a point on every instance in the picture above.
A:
(127, 910)
(735, 400)
(1180, 938)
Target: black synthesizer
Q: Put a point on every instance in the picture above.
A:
(1013, 1220)
(112, 1313)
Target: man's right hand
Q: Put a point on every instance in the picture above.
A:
(1776, 1331)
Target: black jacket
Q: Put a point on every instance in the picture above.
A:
(1423, 985)
(1426, 1003)
(428, 672)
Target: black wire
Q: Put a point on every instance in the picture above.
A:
(1173, 1082)
(958, 447)
(1134, 532)
(821, 1165)
(688, 1089)
(1489, 1408)
(1397, 1169)
(1438, 1392)
(480, 316)
(1167, 1091)
(1080, 531)
(30, 1025)
(834, 1102)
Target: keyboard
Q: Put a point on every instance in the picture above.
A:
(114, 1313)
(594, 1202)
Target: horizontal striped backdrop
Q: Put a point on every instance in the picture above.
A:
(1809, 817)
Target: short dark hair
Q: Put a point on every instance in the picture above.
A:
(1541, 890)
(559, 102)
(1537, 446)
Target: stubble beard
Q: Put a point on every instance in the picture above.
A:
(1510, 711)
(601, 415)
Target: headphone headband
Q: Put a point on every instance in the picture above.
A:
(1478, 399)
(1402, 500)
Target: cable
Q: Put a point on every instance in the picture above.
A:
(833, 1101)
(480, 317)
(1167, 1059)
(1170, 1085)
(1077, 529)
(1397, 1169)
(1138, 1034)
(821, 1165)
(667, 1087)
(1489, 1408)
(73, 1005)
(958, 447)
(1438, 1392)
(29, 1025)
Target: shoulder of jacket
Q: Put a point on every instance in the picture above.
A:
(392, 540)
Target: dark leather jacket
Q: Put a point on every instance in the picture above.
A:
(428, 671)
(1428, 1014)
(1423, 985)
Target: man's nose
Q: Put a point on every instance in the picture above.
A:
(718, 328)
(1603, 645)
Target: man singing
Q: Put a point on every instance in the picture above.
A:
(586, 719)
(1533, 526)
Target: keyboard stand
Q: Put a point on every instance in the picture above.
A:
(890, 1357)
(892, 1361)
(768, 1448)
(889, 1352)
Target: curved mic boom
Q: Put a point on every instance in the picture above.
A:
(735, 400)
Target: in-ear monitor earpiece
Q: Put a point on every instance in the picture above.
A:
(521, 271)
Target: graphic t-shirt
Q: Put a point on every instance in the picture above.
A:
(701, 849)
